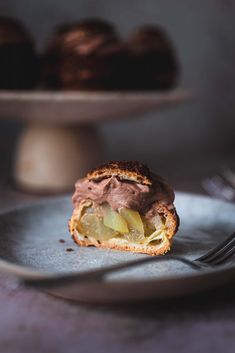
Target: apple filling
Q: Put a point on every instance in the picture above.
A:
(103, 223)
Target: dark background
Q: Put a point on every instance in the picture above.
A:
(204, 35)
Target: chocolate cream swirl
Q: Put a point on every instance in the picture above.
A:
(121, 193)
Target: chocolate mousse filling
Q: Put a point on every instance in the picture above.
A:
(119, 193)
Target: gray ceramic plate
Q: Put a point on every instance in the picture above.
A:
(30, 247)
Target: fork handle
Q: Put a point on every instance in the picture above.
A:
(99, 274)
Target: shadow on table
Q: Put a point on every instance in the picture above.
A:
(205, 303)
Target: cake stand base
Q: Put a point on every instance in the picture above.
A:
(52, 154)
(50, 158)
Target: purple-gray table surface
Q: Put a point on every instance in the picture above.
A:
(31, 321)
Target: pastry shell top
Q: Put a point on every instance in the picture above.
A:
(132, 171)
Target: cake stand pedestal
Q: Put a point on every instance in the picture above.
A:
(49, 158)
(61, 140)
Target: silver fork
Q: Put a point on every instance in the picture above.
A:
(221, 185)
(219, 255)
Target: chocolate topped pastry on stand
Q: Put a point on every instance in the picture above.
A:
(124, 206)
(19, 63)
(51, 58)
(87, 56)
(154, 62)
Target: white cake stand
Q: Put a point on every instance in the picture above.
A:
(60, 141)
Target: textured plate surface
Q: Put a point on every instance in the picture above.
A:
(80, 107)
(31, 237)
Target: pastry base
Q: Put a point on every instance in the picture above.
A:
(123, 245)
